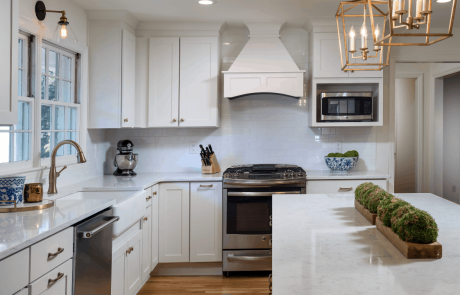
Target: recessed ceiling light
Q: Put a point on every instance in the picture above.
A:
(206, 2)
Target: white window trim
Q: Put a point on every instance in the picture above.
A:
(39, 166)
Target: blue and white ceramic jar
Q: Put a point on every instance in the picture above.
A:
(12, 189)
(341, 164)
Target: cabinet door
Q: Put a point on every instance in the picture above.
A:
(205, 221)
(133, 264)
(326, 61)
(155, 195)
(118, 269)
(199, 65)
(163, 82)
(56, 282)
(174, 222)
(9, 19)
(24, 291)
(344, 186)
(128, 73)
(146, 244)
(14, 272)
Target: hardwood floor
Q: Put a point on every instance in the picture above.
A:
(206, 285)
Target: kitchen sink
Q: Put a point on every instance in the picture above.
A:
(130, 206)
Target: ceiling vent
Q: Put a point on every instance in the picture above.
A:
(263, 66)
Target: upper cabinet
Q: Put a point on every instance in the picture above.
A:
(112, 60)
(183, 82)
(326, 59)
(9, 19)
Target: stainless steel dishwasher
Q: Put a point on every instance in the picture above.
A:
(93, 254)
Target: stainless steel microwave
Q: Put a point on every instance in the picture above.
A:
(346, 106)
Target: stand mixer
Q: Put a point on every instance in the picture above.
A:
(125, 160)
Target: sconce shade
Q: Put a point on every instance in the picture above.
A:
(64, 34)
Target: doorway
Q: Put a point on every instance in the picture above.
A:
(406, 135)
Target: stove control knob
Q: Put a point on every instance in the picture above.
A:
(226, 175)
(235, 175)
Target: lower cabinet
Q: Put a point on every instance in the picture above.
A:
(174, 222)
(190, 218)
(340, 186)
(146, 225)
(56, 282)
(14, 272)
(155, 230)
(126, 266)
(23, 292)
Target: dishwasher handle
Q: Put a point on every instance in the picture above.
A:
(249, 258)
(89, 234)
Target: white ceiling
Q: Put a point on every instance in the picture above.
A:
(234, 12)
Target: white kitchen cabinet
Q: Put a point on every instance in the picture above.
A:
(163, 103)
(14, 272)
(9, 20)
(112, 57)
(57, 282)
(174, 222)
(134, 264)
(146, 224)
(199, 68)
(205, 221)
(341, 186)
(326, 58)
(155, 234)
(184, 82)
(118, 269)
(24, 291)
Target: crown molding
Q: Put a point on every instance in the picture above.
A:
(111, 15)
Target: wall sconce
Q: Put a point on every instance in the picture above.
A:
(63, 33)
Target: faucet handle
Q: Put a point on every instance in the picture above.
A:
(63, 168)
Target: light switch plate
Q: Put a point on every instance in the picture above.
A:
(193, 147)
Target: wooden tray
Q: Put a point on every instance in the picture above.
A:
(410, 250)
(366, 213)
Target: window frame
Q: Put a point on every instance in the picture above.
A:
(32, 54)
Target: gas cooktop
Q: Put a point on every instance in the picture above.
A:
(265, 171)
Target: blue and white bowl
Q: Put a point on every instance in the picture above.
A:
(344, 164)
(12, 188)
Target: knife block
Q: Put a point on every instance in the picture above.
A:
(214, 168)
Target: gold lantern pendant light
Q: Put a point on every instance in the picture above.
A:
(418, 17)
(376, 61)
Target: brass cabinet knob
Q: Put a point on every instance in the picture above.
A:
(126, 120)
(146, 218)
(174, 120)
(182, 120)
(148, 198)
(154, 193)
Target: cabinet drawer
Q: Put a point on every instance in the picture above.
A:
(148, 198)
(51, 252)
(58, 281)
(14, 272)
(340, 186)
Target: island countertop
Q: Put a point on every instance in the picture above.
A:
(323, 245)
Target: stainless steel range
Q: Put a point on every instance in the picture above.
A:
(247, 212)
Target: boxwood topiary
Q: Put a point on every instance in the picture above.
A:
(398, 213)
(360, 188)
(366, 192)
(382, 206)
(417, 226)
(389, 208)
(375, 198)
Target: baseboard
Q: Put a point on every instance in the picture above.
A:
(188, 269)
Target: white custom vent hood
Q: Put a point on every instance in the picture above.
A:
(263, 66)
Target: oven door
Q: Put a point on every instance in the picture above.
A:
(247, 217)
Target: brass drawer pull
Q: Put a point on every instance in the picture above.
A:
(345, 189)
(204, 185)
(174, 120)
(154, 193)
(130, 249)
(126, 120)
(52, 281)
(146, 218)
(148, 198)
(59, 251)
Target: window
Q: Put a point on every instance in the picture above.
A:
(30, 142)
(59, 109)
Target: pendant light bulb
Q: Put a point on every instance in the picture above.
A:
(352, 33)
(377, 32)
(63, 31)
(363, 31)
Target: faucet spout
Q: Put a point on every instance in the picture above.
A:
(53, 172)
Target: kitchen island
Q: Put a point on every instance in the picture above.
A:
(323, 245)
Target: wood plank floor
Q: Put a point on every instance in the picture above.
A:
(206, 285)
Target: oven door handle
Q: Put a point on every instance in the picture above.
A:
(259, 194)
(249, 258)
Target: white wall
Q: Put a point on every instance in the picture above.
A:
(451, 140)
(96, 145)
(260, 129)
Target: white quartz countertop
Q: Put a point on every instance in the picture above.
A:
(20, 230)
(323, 245)
(329, 175)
